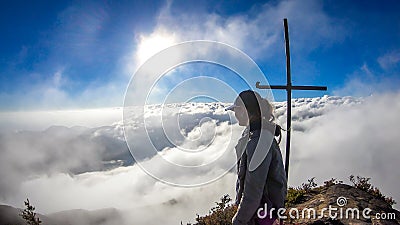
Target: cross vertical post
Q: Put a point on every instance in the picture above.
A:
(289, 96)
(289, 87)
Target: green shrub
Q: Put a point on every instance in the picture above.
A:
(309, 185)
(332, 182)
(364, 184)
(221, 214)
(294, 196)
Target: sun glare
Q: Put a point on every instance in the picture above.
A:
(150, 45)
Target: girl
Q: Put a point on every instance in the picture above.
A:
(261, 179)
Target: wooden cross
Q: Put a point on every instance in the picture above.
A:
(289, 87)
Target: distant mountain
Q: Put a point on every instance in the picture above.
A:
(79, 216)
(10, 216)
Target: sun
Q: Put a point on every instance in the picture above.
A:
(152, 44)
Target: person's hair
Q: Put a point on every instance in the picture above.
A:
(257, 107)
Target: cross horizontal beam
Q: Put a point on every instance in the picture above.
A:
(291, 87)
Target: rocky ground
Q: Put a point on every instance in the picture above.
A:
(351, 200)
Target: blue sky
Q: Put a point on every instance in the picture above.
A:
(72, 54)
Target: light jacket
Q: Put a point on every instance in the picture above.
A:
(265, 184)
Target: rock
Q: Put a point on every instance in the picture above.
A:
(350, 204)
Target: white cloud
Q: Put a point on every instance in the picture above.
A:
(366, 81)
(358, 139)
(54, 93)
(49, 93)
(389, 60)
(29, 154)
(140, 198)
(78, 35)
(66, 66)
(257, 33)
(332, 137)
(129, 188)
(41, 120)
(260, 30)
(78, 31)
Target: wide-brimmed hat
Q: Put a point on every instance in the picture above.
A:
(248, 97)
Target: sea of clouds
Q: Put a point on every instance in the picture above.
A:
(70, 166)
